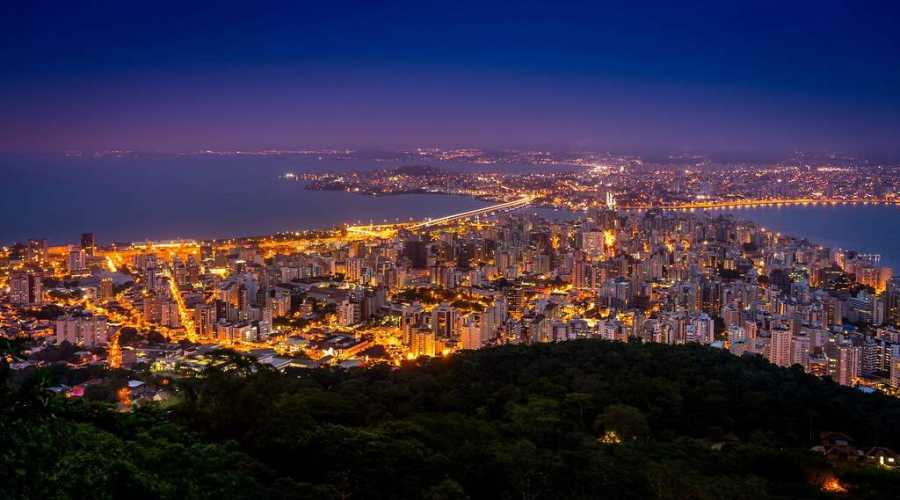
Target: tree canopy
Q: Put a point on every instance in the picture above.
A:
(508, 422)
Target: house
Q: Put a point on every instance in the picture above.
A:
(882, 456)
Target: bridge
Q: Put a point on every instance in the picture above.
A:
(509, 205)
(385, 230)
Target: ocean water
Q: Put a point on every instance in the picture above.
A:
(866, 228)
(167, 197)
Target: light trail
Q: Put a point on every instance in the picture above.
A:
(114, 352)
(183, 314)
(521, 202)
(387, 230)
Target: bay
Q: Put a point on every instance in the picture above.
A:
(127, 199)
(872, 229)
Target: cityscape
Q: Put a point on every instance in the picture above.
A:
(632, 260)
(485, 251)
(696, 183)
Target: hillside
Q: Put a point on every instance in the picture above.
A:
(582, 419)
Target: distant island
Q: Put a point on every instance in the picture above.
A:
(625, 182)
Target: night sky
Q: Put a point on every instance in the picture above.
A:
(634, 76)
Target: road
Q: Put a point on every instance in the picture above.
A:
(521, 202)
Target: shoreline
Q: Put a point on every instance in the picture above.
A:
(748, 205)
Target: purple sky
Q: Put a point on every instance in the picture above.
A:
(704, 76)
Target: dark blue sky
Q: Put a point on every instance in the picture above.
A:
(672, 76)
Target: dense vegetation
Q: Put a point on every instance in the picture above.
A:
(511, 422)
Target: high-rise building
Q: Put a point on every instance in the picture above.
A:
(349, 312)
(515, 299)
(25, 289)
(835, 311)
(591, 242)
(169, 315)
(444, 321)
(844, 363)
(89, 331)
(234, 332)
(895, 372)
(76, 261)
(702, 330)
(152, 308)
(88, 244)
(106, 289)
(735, 334)
(780, 347)
(750, 330)
(422, 343)
(892, 307)
(800, 351)
(36, 250)
(473, 331)
(205, 320)
(417, 253)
